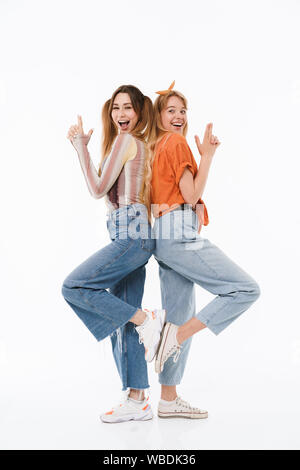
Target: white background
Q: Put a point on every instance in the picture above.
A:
(237, 62)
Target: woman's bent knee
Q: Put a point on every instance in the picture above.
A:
(66, 287)
(254, 291)
(64, 290)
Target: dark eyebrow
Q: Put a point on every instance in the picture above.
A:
(116, 104)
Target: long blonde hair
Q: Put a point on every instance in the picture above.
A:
(143, 107)
(158, 131)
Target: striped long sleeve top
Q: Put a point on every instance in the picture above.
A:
(122, 172)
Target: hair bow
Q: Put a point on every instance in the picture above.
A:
(165, 92)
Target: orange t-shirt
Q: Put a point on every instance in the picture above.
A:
(172, 156)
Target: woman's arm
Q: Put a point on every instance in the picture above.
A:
(124, 148)
(192, 188)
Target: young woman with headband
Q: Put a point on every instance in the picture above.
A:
(124, 179)
(185, 258)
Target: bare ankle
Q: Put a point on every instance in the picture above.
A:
(139, 317)
(168, 392)
(136, 394)
(169, 397)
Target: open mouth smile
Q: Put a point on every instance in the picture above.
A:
(177, 124)
(123, 124)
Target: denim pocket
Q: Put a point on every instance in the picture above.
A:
(186, 231)
(184, 226)
(189, 232)
(122, 220)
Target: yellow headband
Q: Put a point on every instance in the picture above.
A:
(165, 92)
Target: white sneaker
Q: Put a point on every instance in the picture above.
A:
(129, 410)
(150, 332)
(168, 347)
(180, 409)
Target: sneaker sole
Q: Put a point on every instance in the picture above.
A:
(149, 358)
(147, 416)
(158, 366)
(183, 415)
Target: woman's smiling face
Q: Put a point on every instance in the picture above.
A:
(173, 116)
(123, 114)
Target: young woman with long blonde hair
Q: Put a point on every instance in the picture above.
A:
(124, 178)
(185, 258)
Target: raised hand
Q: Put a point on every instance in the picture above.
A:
(209, 144)
(76, 132)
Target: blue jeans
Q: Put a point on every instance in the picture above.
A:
(186, 258)
(119, 267)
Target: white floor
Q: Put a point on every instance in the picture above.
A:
(63, 423)
(55, 399)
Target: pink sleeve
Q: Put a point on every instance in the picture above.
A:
(123, 149)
